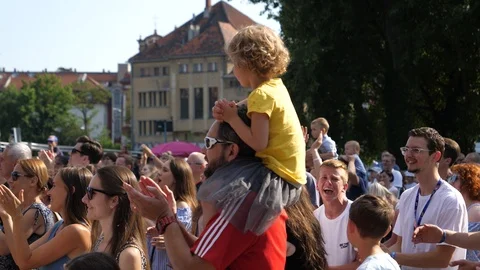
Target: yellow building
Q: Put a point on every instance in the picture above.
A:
(177, 78)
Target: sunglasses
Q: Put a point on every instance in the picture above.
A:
(452, 178)
(74, 150)
(15, 175)
(91, 191)
(210, 142)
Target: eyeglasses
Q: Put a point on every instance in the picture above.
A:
(210, 142)
(195, 163)
(452, 178)
(91, 191)
(74, 150)
(414, 151)
(15, 175)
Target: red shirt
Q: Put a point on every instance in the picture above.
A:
(224, 246)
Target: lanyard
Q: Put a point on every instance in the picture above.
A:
(419, 222)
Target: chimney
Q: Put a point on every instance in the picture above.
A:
(208, 5)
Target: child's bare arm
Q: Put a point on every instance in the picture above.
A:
(255, 136)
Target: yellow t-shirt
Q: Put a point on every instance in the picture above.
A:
(285, 152)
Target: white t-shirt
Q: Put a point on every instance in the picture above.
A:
(334, 231)
(447, 210)
(397, 178)
(394, 190)
(381, 261)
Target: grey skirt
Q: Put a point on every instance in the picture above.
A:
(250, 194)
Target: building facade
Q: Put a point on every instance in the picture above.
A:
(176, 79)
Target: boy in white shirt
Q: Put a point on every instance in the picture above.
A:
(370, 220)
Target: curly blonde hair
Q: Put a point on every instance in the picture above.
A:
(260, 50)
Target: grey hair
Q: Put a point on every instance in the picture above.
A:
(378, 190)
(18, 151)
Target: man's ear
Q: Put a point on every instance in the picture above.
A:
(233, 150)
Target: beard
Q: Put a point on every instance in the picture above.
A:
(213, 165)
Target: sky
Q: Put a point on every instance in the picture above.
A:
(92, 35)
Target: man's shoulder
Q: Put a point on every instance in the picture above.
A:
(449, 194)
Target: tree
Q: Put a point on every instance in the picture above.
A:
(376, 69)
(86, 96)
(44, 105)
(10, 115)
(39, 108)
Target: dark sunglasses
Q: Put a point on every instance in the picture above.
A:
(452, 178)
(91, 191)
(15, 175)
(74, 150)
(210, 142)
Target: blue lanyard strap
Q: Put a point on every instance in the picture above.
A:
(419, 221)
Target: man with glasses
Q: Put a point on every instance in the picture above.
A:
(198, 164)
(12, 153)
(221, 244)
(86, 151)
(432, 201)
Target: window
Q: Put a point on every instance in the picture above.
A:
(154, 98)
(198, 103)
(212, 66)
(140, 128)
(164, 70)
(144, 99)
(150, 101)
(183, 68)
(156, 71)
(142, 72)
(234, 84)
(197, 67)
(152, 128)
(212, 97)
(183, 103)
(163, 98)
(140, 100)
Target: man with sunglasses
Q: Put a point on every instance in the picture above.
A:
(432, 201)
(12, 153)
(86, 151)
(221, 245)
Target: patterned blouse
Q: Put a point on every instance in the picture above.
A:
(7, 262)
(125, 246)
(158, 257)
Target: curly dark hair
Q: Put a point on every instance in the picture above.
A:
(470, 179)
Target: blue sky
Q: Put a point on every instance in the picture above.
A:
(92, 35)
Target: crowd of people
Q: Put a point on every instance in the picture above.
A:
(257, 198)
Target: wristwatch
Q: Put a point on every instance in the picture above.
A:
(163, 222)
(444, 237)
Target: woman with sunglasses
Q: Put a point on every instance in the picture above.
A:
(466, 179)
(72, 233)
(28, 179)
(117, 230)
(177, 176)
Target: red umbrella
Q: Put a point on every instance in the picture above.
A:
(178, 149)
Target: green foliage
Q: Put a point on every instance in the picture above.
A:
(39, 108)
(376, 69)
(106, 141)
(86, 96)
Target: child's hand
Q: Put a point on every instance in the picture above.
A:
(229, 111)
(218, 109)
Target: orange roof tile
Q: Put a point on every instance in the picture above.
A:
(17, 79)
(214, 31)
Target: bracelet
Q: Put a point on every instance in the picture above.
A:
(393, 254)
(444, 236)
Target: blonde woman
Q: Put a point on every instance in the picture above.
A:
(28, 180)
